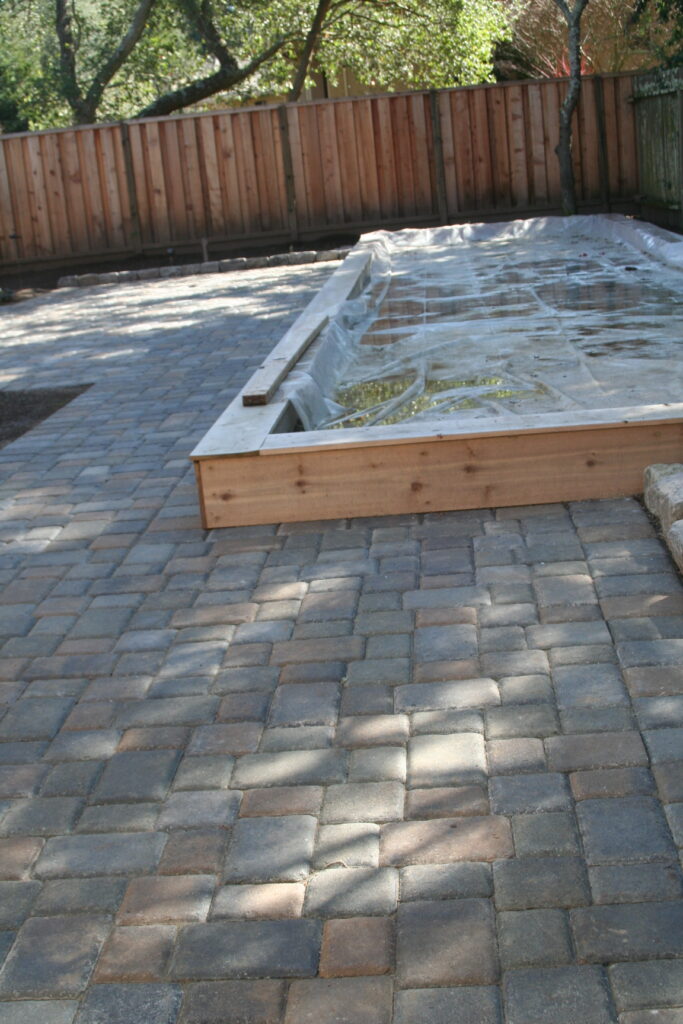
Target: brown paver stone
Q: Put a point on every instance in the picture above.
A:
(356, 946)
(342, 1000)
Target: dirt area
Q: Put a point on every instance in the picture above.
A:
(22, 410)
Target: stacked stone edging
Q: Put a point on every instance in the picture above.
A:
(663, 495)
(283, 259)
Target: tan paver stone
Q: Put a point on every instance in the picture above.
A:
(444, 840)
(271, 900)
(136, 954)
(17, 856)
(159, 900)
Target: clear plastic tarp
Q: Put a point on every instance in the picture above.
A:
(471, 321)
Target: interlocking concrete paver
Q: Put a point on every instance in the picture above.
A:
(175, 704)
(446, 942)
(558, 995)
(349, 1000)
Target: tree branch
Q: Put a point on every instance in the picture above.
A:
(120, 54)
(224, 78)
(309, 46)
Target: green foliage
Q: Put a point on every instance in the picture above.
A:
(385, 43)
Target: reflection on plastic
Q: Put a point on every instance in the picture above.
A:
(482, 320)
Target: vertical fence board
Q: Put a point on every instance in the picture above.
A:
(230, 185)
(348, 158)
(367, 160)
(37, 198)
(538, 145)
(482, 156)
(463, 133)
(551, 124)
(386, 168)
(517, 147)
(9, 248)
(55, 194)
(17, 175)
(423, 146)
(448, 148)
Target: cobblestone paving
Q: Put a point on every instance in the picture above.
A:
(420, 770)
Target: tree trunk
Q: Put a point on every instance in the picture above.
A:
(307, 52)
(563, 149)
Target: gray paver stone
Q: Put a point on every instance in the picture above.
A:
(642, 985)
(53, 956)
(352, 845)
(340, 892)
(122, 1004)
(290, 768)
(461, 1005)
(42, 816)
(446, 942)
(624, 829)
(635, 883)
(200, 809)
(466, 693)
(528, 794)
(635, 931)
(445, 881)
(534, 938)
(446, 760)
(271, 849)
(589, 686)
(535, 882)
(43, 1011)
(89, 855)
(363, 801)
(16, 900)
(143, 775)
(558, 995)
(247, 949)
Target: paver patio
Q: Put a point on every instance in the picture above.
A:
(418, 769)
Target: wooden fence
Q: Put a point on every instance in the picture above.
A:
(659, 120)
(296, 171)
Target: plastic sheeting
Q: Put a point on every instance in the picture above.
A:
(471, 321)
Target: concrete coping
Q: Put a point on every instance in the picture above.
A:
(281, 259)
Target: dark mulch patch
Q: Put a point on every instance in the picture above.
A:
(22, 410)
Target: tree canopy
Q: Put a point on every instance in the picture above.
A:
(77, 61)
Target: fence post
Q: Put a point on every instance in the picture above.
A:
(603, 160)
(289, 173)
(136, 231)
(439, 166)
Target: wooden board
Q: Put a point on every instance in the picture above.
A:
(265, 381)
(439, 474)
